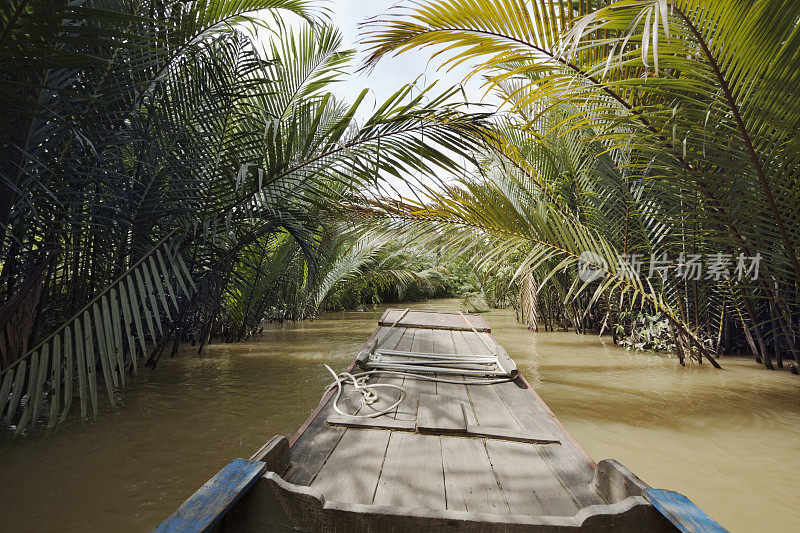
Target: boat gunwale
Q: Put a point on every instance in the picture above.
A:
(572, 440)
(468, 518)
(327, 397)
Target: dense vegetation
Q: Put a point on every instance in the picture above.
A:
(166, 178)
(169, 178)
(653, 131)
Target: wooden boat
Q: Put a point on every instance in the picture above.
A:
(473, 449)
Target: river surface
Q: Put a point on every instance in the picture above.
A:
(729, 440)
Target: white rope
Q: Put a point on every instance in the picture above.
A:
(368, 393)
(420, 362)
(370, 396)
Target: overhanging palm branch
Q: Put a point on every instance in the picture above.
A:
(109, 330)
(167, 191)
(687, 98)
(453, 217)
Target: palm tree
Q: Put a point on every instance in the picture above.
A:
(683, 109)
(172, 162)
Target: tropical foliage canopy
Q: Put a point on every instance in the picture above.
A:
(647, 128)
(169, 177)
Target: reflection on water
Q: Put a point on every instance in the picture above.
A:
(730, 440)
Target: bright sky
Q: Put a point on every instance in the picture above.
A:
(391, 73)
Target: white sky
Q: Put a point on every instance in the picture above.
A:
(392, 72)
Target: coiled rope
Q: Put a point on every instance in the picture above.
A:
(369, 395)
(436, 362)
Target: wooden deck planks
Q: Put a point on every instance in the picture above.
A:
(351, 472)
(400, 339)
(529, 485)
(409, 469)
(469, 479)
(422, 342)
(480, 344)
(319, 440)
(573, 469)
(455, 390)
(387, 338)
(443, 343)
(433, 320)
(412, 473)
(380, 422)
(440, 414)
(488, 407)
(526, 408)
(408, 409)
(449, 449)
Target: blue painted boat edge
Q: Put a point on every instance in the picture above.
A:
(680, 510)
(249, 471)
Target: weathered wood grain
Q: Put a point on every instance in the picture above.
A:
(274, 454)
(529, 485)
(434, 320)
(386, 339)
(440, 414)
(275, 505)
(351, 472)
(469, 479)
(488, 408)
(412, 473)
(453, 455)
(309, 453)
(456, 390)
(509, 434)
(315, 442)
(407, 410)
(422, 339)
(613, 482)
(575, 472)
(380, 422)
(526, 409)
(206, 507)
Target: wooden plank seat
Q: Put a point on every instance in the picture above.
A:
(434, 320)
(441, 415)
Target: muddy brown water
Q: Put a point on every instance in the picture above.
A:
(729, 440)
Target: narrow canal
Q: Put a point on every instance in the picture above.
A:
(730, 440)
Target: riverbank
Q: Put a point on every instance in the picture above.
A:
(699, 431)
